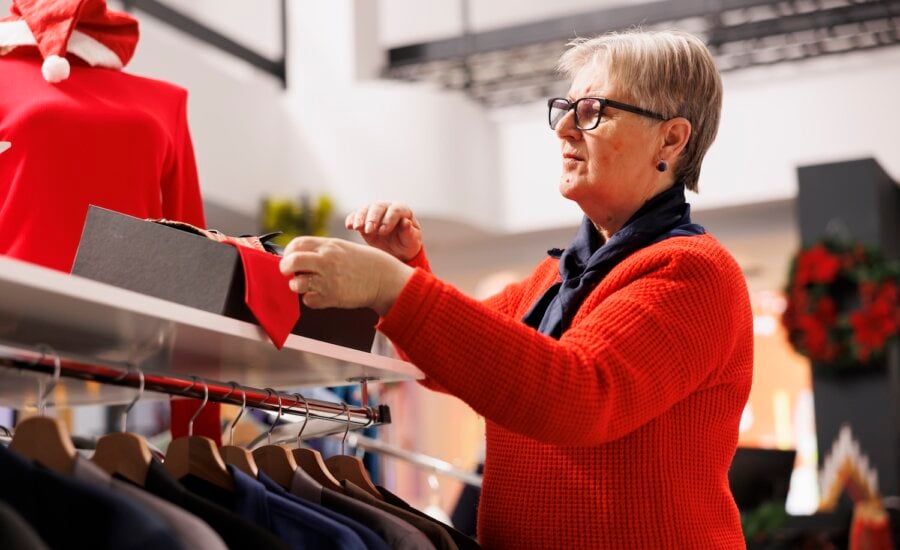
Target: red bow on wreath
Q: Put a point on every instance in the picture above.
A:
(842, 304)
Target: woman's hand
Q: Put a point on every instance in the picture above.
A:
(388, 226)
(338, 273)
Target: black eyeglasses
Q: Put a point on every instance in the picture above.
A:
(588, 111)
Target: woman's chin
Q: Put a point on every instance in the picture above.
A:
(567, 188)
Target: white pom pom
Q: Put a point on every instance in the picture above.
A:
(55, 69)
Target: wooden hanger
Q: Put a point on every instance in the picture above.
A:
(198, 456)
(310, 460)
(239, 457)
(125, 453)
(275, 460)
(45, 440)
(351, 468)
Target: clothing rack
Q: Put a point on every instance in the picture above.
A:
(44, 360)
(420, 460)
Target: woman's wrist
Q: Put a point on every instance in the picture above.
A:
(390, 287)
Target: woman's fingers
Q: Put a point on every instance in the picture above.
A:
(388, 226)
(297, 263)
(394, 214)
(409, 235)
(336, 273)
(378, 218)
(374, 217)
(302, 283)
(360, 220)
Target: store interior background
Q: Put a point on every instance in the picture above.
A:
(483, 180)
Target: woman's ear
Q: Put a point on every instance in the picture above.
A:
(675, 133)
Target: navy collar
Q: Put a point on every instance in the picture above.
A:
(590, 257)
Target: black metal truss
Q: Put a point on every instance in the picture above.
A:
(517, 64)
(199, 31)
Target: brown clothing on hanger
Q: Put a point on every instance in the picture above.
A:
(438, 536)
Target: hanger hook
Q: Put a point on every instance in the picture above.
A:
(5, 429)
(270, 391)
(290, 408)
(200, 408)
(185, 390)
(234, 387)
(57, 371)
(135, 400)
(347, 429)
(305, 418)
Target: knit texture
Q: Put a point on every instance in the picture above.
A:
(620, 433)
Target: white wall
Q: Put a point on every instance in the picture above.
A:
(384, 140)
(255, 24)
(774, 120)
(778, 118)
(235, 113)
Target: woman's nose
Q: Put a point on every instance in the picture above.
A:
(565, 128)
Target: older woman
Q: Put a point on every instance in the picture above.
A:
(613, 378)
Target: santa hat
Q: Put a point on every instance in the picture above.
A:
(86, 28)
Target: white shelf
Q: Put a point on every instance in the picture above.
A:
(96, 320)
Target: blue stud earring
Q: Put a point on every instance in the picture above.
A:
(662, 166)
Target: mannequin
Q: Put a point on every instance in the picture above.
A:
(78, 131)
(82, 132)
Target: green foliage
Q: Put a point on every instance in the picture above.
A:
(842, 305)
(762, 523)
(295, 218)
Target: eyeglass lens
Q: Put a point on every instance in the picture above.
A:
(587, 112)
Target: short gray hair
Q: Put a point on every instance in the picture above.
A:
(668, 72)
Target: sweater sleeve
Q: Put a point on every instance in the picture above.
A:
(504, 302)
(638, 352)
(180, 187)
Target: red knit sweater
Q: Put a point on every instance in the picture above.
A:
(618, 435)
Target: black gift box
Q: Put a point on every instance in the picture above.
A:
(190, 269)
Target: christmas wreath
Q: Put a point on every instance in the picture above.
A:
(842, 304)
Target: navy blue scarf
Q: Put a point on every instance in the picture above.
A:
(588, 259)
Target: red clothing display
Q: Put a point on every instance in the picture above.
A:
(620, 433)
(101, 137)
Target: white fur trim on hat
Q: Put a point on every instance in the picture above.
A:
(92, 51)
(55, 69)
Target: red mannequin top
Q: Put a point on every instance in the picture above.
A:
(100, 137)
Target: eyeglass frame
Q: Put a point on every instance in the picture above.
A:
(603, 104)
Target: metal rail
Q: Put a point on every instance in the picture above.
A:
(43, 360)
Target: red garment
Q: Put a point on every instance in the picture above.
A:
(267, 293)
(101, 137)
(618, 435)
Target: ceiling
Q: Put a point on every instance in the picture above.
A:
(516, 64)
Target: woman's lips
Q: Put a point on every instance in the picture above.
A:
(571, 160)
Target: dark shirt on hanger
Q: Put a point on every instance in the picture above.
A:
(298, 527)
(15, 532)
(369, 538)
(463, 541)
(238, 533)
(398, 534)
(64, 510)
(438, 537)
